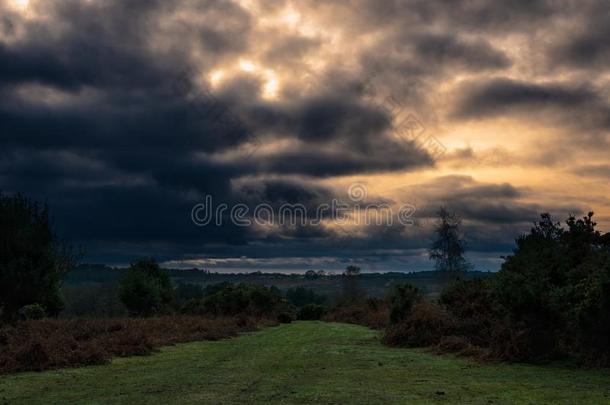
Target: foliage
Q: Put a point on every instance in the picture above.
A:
(471, 303)
(352, 289)
(311, 312)
(402, 298)
(301, 296)
(247, 299)
(551, 299)
(33, 262)
(187, 291)
(314, 275)
(448, 249)
(48, 344)
(32, 312)
(371, 312)
(555, 289)
(93, 300)
(146, 288)
(425, 325)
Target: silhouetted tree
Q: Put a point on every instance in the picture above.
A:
(555, 288)
(311, 275)
(448, 248)
(352, 290)
(33, 262)
(146, 288)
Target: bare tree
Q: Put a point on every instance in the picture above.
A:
(448, 248)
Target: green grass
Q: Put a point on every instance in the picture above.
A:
(305, 362)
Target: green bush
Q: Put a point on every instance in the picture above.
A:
(32, 311)
(311, 312)
(426, 324)
(146, 289)
(402, 299)
(471, 303)
(301, 296)
(187, 291)
(246, 299)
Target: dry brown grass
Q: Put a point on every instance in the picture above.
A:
(49, 344)
(373, 314)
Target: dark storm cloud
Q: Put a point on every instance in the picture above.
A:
(566, 106)
(284, 191)
(323, 161)
(92, 122)
(324, 120)
(447, 50)
(493, 214)
(489, 15)
(499, 95)
(115, 156)
(465, 15)
(337, 135)
(585, 46)
(122, 155)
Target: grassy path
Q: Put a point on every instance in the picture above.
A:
(305, 362)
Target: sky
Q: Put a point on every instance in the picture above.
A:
(124, 116)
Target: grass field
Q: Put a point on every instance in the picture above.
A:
(301, 363)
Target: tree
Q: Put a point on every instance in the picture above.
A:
(555, 288)
(33, 261)
(311, 275)
(352, 290)
(146, 288)
(448, 248)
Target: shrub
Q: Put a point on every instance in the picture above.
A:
(301, 296)
(285, 317)
(372, 312)
(247, 299)
(33, 311)
(49, 344)
(402, 299)
(424, 326)
(187, 291)
(311, 312)
(146, 288)
(95, 300)
(471, 304)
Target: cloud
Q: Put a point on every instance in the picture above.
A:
(601, 171)
(447, 50)
(116, 114)
(499, 96)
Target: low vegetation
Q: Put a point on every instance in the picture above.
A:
(551, 300)
(306, 362)
(47, 344)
